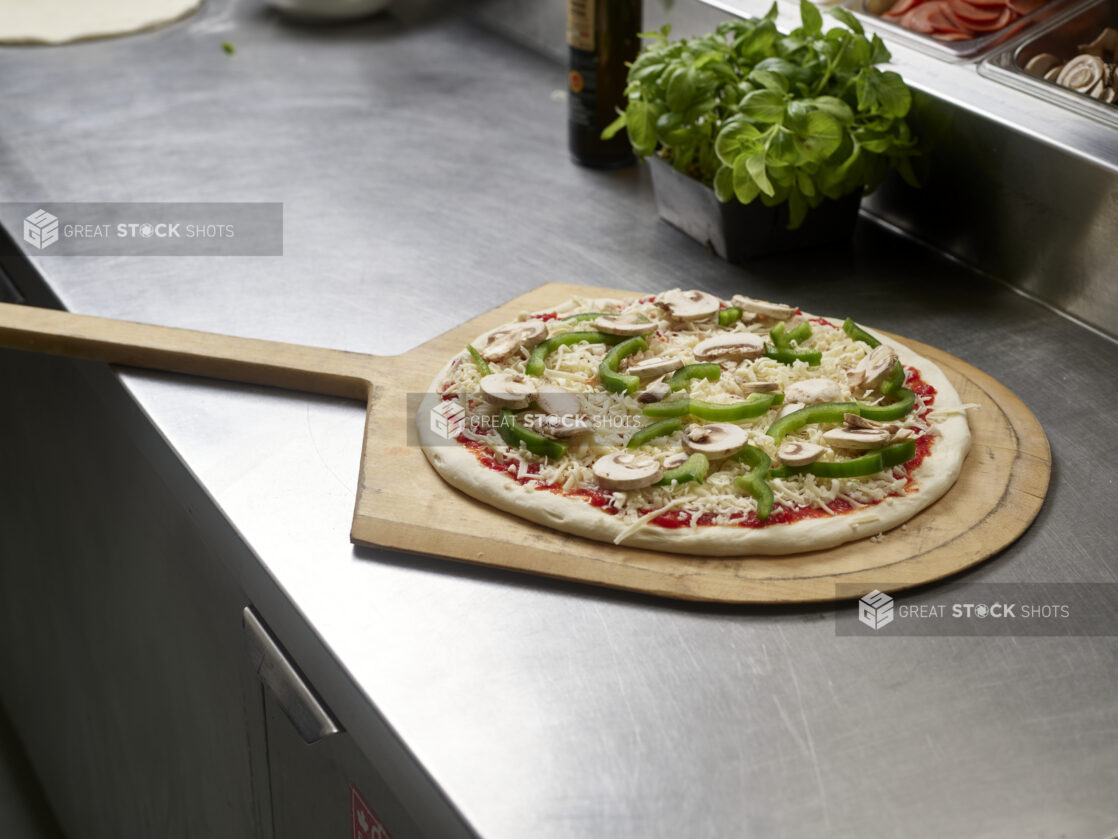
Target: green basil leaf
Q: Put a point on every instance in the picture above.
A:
(835, 107)
(811, 17)
(908, 172)
(879, 53)
(805, 183)
(755, 165)
(745, 188)
(797, 209)
(640, 118)
(724, 184)
(821, 135)
(884, 93)
(765, 106)
(681, 89)
(782, 150)
(611, 130)
(737, 137)
(848, 19)
(779, 196)
(769, 80)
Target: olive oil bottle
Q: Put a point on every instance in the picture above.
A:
(602, 36)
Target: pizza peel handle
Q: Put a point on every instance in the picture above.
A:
(309, 369)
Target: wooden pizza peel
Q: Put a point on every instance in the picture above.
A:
(403, 504)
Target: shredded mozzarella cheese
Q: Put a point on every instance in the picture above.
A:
(616, 416)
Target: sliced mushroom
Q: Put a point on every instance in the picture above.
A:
(689, 305)
(1108, 95)
(558, 427)
(779, 311)
(858, 421)
(1082, 73)
(789, 408)
(1105, 42)
(655, 392)
(508, 390)
(716, 439)
(813, 391)
(874, 367)
(674, 460)
(857, 438)
(629, 323)
(1054, 73)
(735, 346)
(758, 387)
(626, 470)
(557, 401)
(1041, 63)
(799, 454)
(657, 365)
(498, 344)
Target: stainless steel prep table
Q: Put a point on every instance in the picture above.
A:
(424, 178)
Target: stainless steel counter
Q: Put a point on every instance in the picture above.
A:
(424, 178)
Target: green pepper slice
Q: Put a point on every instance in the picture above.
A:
(757, 404)
(801, 333)
(790, 355)
(612, 379)
(513, 433)
(695, 468)
(856, 333)
(754, 483)
(703, 370)
(904, 402)
(482, 365)
(779, 335)
(825, 412)
(833, 411)
(653, 430)
(668, 408)
(783, 338)
(537, 362)
(859, 467)
(728, 317)
(895, 380)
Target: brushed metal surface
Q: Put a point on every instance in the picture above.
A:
(424, 174)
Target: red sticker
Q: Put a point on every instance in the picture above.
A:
(576, 81)
(366, 825)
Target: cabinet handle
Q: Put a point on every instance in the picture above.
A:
(310, 718)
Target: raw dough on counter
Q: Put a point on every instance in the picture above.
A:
(63, 21)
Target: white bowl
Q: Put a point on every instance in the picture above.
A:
(327, 10)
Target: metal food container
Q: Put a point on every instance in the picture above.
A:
(973, 49)
(1061, 37)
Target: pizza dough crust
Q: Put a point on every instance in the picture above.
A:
(935, 476)
(64, 21)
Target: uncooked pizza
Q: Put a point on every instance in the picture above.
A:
(685, 423)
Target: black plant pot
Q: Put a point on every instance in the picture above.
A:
(738, 231)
